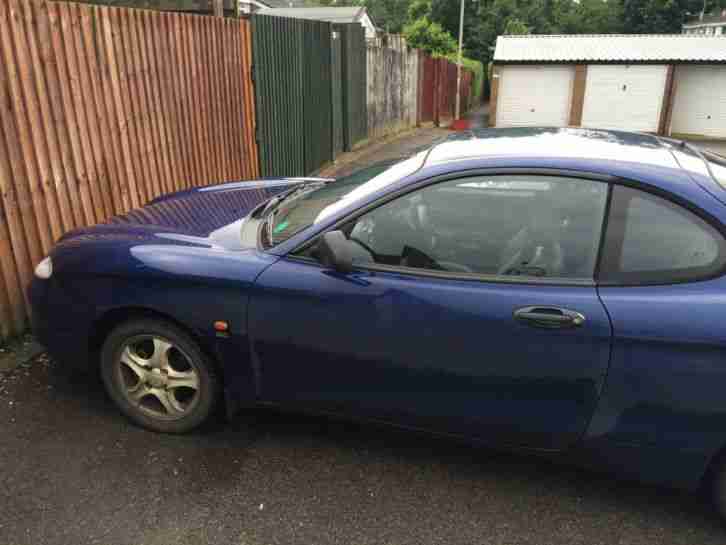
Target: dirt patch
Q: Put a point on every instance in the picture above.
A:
(17, 351)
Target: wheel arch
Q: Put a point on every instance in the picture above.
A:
(102, 327)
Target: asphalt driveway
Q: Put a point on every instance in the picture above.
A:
(74, 471)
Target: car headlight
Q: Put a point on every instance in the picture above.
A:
(44, 270)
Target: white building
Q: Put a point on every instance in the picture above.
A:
(249, 7)
(710, 25)
(357, 14)
(665, 84)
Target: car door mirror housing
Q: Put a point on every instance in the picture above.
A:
(334, 251)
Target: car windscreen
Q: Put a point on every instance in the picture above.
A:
(320, 201)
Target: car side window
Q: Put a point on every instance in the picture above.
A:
(650, 239)
(502, 225)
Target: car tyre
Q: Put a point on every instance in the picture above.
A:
(158, 376)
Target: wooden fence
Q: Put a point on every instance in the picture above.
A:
(103, 109)
(426, 87)
(393, 82)
(437, 90)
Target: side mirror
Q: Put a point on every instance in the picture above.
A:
(334, 251)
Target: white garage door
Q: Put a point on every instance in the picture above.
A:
(624, 96)
(534, 95)
(699, 106)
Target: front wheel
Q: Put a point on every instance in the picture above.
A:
(158, 376)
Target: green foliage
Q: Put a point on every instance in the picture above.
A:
(590, 17)
(653, 16)
(515, 26)
(484, 20)
(429, 36)
(390, 15)
(420, 8)
(477, 68)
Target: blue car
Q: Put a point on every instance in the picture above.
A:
(559, 291)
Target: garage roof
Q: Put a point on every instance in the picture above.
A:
(331, 14)
(632, 48)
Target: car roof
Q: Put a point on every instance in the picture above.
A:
(553, 143)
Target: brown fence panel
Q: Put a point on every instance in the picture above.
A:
(103, 109)
(450, 69)
(438, 96)
(427, 80)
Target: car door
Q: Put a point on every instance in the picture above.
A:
(662, 282)
(471, 310)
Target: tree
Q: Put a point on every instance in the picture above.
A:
(418, 9)
(429, 36)
(653, 16)
(390, 15)
(515, 26)
(590, 17)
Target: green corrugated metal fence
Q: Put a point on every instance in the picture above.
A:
(336, 66)
(317, 93)
(354, 82)
(293, 94)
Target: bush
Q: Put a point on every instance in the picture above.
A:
(431, 37)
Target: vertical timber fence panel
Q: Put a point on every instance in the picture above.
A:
(103, 109)
(293, 94)
(392, 91)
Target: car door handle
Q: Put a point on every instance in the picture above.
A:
(549, 317)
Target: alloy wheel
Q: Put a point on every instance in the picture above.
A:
(157, 377)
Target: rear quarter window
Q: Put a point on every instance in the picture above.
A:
(651, 240)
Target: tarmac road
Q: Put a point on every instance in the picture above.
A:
(74, 471)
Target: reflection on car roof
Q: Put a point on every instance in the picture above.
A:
(554, 142)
